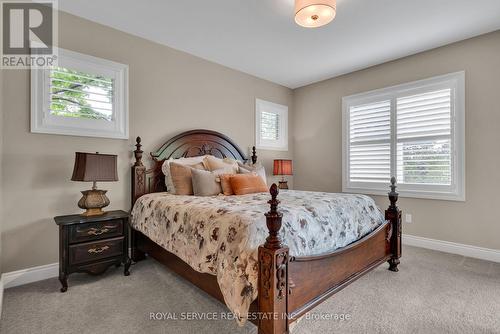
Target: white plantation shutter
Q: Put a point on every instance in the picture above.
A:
(424, 138)
(369, 140)
(270, 129)
(271, 125)
(81, 95)
(412, 131)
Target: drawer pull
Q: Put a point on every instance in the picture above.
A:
(95, 231)
(98, 250)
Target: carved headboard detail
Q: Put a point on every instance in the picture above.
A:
(187, 144)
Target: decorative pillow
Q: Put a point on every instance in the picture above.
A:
(225, 182)
(213, 163)
(183, 161)
(243, 184)
(231, 161)
(256, 170)
(205, 183)
(222, 171)
(245, 171)
(182, 177)
(249, 165)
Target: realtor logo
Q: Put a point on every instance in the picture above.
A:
(29, 34)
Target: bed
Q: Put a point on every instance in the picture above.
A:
(256, 275)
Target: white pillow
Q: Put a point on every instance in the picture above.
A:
(260, 170)
(248, 165)
(165, 168)
(206, 183)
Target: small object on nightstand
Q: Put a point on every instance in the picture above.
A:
(92, 244)
(283, 167)
(93, 167)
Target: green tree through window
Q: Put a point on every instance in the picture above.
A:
(82, 95)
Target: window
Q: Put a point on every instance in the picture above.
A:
(271, 125)
(82, 96)
(412, 131)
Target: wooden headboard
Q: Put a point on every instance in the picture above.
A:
(187, 144)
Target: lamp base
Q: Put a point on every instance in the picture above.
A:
(283, 185)
(93, 201)
(93, 212)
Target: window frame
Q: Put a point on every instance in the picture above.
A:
(43, 122)
(454, 192)
(280, 144)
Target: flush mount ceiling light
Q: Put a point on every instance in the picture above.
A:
(314, 13)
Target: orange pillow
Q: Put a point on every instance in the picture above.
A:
(243, 184)
(225, 182)
(182, 177)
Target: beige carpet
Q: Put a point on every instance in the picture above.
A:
(433, 293)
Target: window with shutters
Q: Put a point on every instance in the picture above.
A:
(271, 125)
(414, 132)
(83, 96)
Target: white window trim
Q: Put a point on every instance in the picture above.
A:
(455, 81)
(43, 122)
(282, 111)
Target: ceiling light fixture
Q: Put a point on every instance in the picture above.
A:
(314, 13)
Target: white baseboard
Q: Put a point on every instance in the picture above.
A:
(452, 247)
(29, 275)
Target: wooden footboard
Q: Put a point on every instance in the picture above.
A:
(291, 286)
(334, 271)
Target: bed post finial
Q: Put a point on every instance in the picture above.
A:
(254, 155)
(393, 195)
(273, 273)
(273, 220)
(393, 215)
(138, 152)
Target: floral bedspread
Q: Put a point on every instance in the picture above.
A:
(220, 235)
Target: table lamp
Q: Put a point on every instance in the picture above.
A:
(283, 167)
(94, 167)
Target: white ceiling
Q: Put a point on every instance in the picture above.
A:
(260, 37)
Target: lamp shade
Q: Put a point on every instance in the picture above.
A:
(282, 167)
(314, 13)
(90, 167)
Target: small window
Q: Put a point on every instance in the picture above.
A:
(271, 125)
(413, 131)
(82, 96)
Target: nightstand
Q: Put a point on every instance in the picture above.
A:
(92, 244)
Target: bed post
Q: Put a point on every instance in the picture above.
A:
(393, 215)
(254, 156)
(138, 173)
(273, 274)
(138, 189)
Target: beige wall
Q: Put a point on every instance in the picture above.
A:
(170, 92)
(1, 165)
(318, 137)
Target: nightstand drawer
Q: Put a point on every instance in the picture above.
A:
(92, 251)
(95, 231)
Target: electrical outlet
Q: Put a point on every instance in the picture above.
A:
(408, 218)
